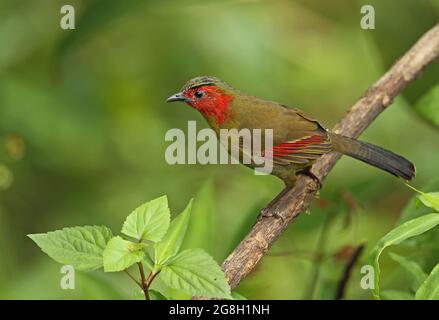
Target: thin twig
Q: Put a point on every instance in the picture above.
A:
(341, 288)
(377, 98)
(134, 279)
(150, 278)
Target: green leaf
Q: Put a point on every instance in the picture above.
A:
(81, 247)
(121, 254)
(147, 261)
(170, 244)
(411, 210)
(429, 290)
(397, 235)
(150, 221)
(155, 295)
(427, 106)
(196, 272)
(430, 199)
(428, 241)
(396, 295)
(413, 269)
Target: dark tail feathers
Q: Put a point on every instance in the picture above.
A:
(374, 155)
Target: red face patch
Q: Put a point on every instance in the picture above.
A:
(210, 101)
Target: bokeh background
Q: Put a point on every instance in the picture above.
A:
(83, 119)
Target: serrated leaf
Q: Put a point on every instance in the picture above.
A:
(170, 244)
(120, 254)
(428, 199)
(429, 290)
(402, 232)
(196, 272)
(81, 247)
(396, 295)
(150, 221)
(414, 270)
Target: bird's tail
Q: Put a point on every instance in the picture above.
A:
(374, 155)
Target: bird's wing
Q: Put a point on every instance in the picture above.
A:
(301, 114)
(297, 138)
(302, 150)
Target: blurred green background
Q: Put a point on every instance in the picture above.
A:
(83, 119)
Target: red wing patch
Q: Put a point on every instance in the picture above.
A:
(301, 151)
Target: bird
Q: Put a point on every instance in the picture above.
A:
(298, 139)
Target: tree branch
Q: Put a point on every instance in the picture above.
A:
(265, 232)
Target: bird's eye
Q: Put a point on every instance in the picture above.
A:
(199, 94)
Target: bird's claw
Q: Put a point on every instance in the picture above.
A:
(311, 175)
(269, 214)
(270, 210)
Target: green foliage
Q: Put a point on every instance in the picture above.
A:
(405, 231)
(89, 248)
(414, 207)
(81, 247)
(120, 254)
(150, 221)
(429, 199)
(428, 286)
(155, 295)
(62, 93)
(429, 290)
(426, 245)
(170, 244)
(413, 269)
(148, 262)
(195, 271)
(396, 295)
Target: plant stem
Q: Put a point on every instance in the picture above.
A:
(151, 277)
(134, 279)
(144, 283)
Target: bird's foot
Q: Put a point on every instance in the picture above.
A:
(311, 175)
(270, 210)
(269, 214)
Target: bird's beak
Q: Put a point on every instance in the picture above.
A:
(177, 97)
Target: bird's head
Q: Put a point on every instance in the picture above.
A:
(209, 95)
